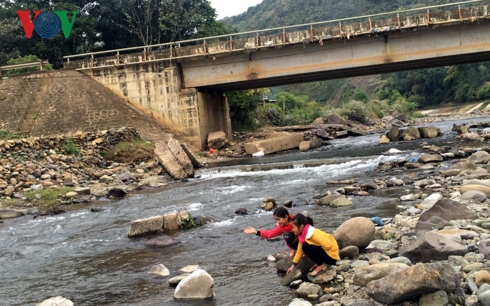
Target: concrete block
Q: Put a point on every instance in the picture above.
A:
(277, 143)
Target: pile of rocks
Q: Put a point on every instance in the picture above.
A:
(36, 163)
(435, 252)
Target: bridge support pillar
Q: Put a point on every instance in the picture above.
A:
(203, 113)
(156, 89)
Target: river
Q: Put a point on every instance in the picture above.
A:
(88, 258)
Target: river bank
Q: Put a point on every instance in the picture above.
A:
(105, 267)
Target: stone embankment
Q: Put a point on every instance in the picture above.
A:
(77, 162)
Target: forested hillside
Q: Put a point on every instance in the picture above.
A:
(360, 97)
(276, 13)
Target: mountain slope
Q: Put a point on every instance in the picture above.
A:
(277, 13)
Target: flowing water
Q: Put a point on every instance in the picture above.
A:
(88, 258)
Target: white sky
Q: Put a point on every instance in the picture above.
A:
(226, 8)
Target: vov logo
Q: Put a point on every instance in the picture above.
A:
(47, 24)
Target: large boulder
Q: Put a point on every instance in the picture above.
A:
(197, 286)
(174, 159)
(146, 226)
(429, 132)
(358, 232)
(383, 139)
(460, 129)
(394, 134)
(275, 143)
(217, 140)
(480, 157)
(410, 134)
(334, 119)
(431, 246)
(441, 213)
(10, 213)
(364, 275)
(475, 187)
(327, 200)
(175, 221)
(413, 282)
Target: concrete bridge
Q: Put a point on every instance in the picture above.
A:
(183, 83)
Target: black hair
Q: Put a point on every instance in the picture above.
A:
(281, 212)
(300, 219)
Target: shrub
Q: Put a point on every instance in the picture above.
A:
(69, 147)
(26, 59)
(355, 111)
(360, 95)
(272, 113)
(483, 92)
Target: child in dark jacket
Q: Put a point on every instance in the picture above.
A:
(284, 227)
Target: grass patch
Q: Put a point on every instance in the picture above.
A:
(6, 135)
(136, 151)
(48, 196)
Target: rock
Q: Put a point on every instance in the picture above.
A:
(430, 246)
(304, 146)
(241, 212)
(116, 193)
(430, 158)
(480, 157)
(356, 231)
(341, 201)
(96, 209)
(327, 200)
(71, 194)
(198, 285)
(161, 242)
(471, 187)
(410, 134)
(473, 197)
(82, 190)
(484, 248)
(174, 159)
(350, 251)
(174, 281)
(471, 136)
(306, 289)
(460, 129)
(160, 270)
(393, 134)
(10, 214)
(189, 269)
(145, 226)
(482, 277)
(56, 301)
(400, 259)
(126, 176)
(173, 221)
(473, 266)
(382, 245)
(464, 234)
(429, 132)
(106, 179)
(364, 275)
(276, 143)
(291, 277)
(413, 282)
(441, 213)
(217, 140)
(300, 302)
(334, 119)
(323, 278)
(437, 298)
(383, 139)
(483, 295)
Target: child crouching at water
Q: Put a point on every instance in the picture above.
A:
(284, 227)
(319, 246)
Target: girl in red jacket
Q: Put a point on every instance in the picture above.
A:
(284, 227)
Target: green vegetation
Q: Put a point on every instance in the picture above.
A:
(106, 25)
(188, 222)
(137, 150)
(6, 135)
(35, 116)
(47, 196)
(70, 147)
(26, 59)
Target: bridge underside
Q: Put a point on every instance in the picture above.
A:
(387, 52)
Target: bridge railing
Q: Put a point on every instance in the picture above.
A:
(273, 37)
(40, 64)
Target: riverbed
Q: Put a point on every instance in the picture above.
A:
(88, 258)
